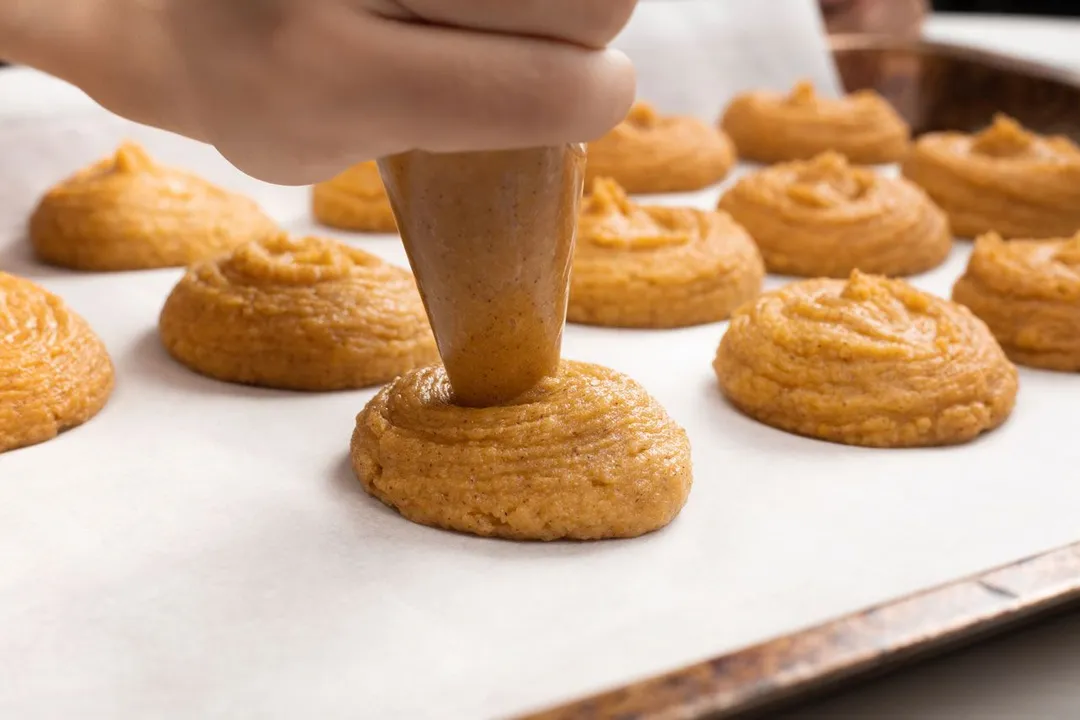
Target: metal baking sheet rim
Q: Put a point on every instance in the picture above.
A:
(880, 638)
(784, 669)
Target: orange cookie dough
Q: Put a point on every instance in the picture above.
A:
(586, 454)
(658, 267)
(129, 213)
(824, 217)
(354, 200)
(1028, 292)
(770, 127)
(54, 371)
(652, 153)
(867, 361)
(1004, 180)
(297, 314)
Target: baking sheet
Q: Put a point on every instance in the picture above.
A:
(202, 550)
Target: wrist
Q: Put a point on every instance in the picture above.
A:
(50, 35)
(114, 50)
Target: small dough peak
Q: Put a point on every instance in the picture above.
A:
(609, 218)
(1005, 138)
(132, 157)
(829, 181)
(804, 93)
(284, 260)
(643, 115)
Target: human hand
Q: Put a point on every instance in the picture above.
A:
(293, 91)
(879, 17)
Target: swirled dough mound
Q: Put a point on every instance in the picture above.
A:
(354, 200)
(1028, 292)
(54, 371)
(584, 455)
(867, 361)
(770, 127)
(658, 267)
(129, 213)
(826, 218)
(652, 153)
(1004, 180)
(298, 314)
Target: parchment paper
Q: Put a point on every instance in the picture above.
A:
(691, 56)
(201, 550)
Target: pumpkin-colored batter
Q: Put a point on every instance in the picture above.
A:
(653, 153)
(1028, 292)
(1004, 180)
(658, 267)
(297, 314)
(489, 237)
(506, 440)
(824, 217)
(127, 212)
(585, 454)
(771, 127)
(354, 200)
(55, 373)
(867, 361)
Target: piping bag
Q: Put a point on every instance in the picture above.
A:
(490, 235)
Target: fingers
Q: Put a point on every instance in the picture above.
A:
(454, 90)
(591, 23)
(350, 86)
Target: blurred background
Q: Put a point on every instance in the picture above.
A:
(1022, 7)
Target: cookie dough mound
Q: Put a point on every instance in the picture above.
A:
(355, 200)
(826, 218)
(298, 314)
(55, 373)
(770, 127)
(585, 455)
(867, 361)
(1004, 180)
(652, 153)
(658, 267)
(129, 213)
(1028, 293)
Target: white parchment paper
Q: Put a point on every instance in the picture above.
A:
(693, 55)
(201, 550)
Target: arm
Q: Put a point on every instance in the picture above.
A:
(293, 91)
(105, 47)
(52, 35)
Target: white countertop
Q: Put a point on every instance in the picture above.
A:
(1032, 674)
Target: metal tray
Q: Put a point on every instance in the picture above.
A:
(935, 87)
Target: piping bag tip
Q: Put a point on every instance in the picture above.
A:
(490, 237)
